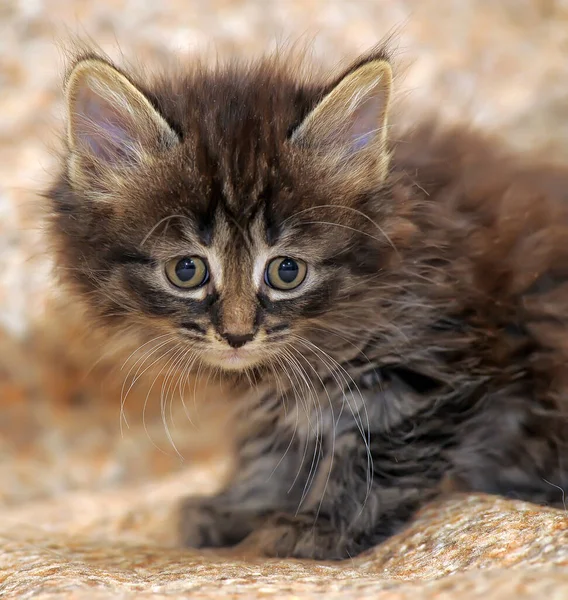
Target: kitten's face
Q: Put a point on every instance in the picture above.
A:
(235, 215)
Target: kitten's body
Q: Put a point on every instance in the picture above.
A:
(428, 339)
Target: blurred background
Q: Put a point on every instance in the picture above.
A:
(502, 64)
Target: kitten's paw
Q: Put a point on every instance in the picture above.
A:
(202, 524)
(197, 524)
(289, 536)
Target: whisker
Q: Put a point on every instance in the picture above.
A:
(324, 356)
(351, 229)
(176, 360)
(292, 438)
(139, 373)
(164, 220)
(166, 365)
(299, 401)
(183, 382)
(559, 488)
(348, 208)
(335, 423)
(318, 437)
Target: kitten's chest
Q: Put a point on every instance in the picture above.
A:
(364, 399)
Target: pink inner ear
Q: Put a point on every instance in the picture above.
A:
(366, 122)
(101, 128)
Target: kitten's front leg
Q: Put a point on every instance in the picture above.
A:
(355, 510)
(213, 522)
(270, 476)
(304, 535)
(317, 499)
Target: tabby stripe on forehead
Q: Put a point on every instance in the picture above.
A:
(272, 227)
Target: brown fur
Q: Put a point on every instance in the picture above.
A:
(429, 338)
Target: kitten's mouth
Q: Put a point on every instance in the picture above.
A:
(233, 359)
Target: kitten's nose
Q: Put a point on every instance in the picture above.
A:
(237, 340)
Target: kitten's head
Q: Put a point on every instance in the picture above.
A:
(237, 212)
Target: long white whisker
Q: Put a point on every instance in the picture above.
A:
(348, 208)
(335, 423)
(324, 356)
(165, 219)
(299, 400)
(176, 360)
(166, 365)
(292, 437)
(184, 380)
(347, 227)
(142, 360)
(318, 436)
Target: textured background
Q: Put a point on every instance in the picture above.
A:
(78, 489)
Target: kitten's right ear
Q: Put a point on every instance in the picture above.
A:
(110, 121)
(349, 124)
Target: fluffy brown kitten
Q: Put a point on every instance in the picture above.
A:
(399, 302)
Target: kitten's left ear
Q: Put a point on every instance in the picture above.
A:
(351, 119)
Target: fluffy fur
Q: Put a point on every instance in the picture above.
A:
(428, 340)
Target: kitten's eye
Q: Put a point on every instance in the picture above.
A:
(285, 273)
(187, 272)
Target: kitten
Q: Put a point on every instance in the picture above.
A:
(398, 302)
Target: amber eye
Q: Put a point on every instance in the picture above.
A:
(284, 273)
(187, 272)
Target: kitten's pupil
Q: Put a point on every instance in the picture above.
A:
(185, 269)
(288, 270)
